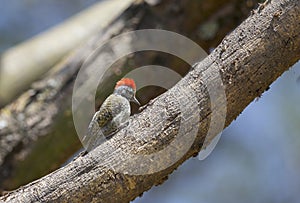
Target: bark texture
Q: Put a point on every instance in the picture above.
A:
(248, 60)
(42, 112)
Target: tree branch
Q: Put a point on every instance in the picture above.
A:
(37, 55)
(36, 113)
(249, 60)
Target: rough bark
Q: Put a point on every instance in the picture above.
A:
(249, 60)
(32, 115)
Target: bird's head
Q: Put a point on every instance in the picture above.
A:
(126, 88)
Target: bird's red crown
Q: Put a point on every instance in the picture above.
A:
(126, 82)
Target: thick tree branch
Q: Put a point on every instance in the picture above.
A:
(249, 60)
(37, 112)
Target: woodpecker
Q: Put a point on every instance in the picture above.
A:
(113, 114)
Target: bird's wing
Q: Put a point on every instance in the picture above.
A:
(104, 115)
(108, 110)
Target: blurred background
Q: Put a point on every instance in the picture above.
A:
(256, 160)
(21, 20)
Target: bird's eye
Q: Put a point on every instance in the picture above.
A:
(129, 91)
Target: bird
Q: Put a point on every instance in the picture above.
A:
(113, 114)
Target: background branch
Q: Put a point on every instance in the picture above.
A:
(37, 55)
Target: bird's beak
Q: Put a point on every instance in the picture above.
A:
(136, 101)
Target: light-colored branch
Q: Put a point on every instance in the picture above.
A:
(26, 62)
(249, 60)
